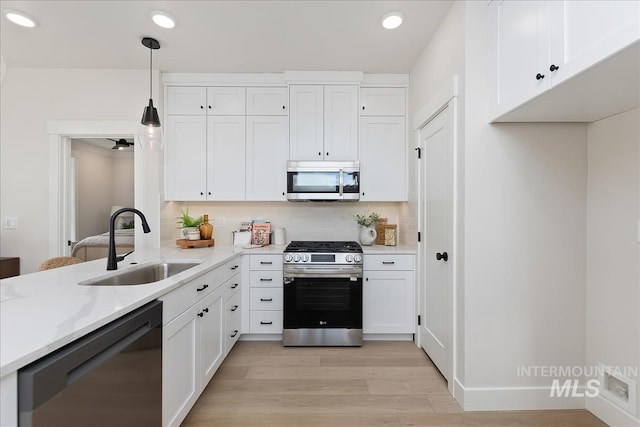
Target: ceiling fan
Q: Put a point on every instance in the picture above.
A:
(121, 144)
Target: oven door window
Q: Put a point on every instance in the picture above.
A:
(323, 302)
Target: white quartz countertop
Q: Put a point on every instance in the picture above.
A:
(41, 312)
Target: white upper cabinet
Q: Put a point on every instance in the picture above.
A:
(323, 122)
(186, 162)
(186, 100)
(225, 158)
(383, 101)
(535, 45)
(267, 101)
(306, 129)
(226, 101)
(267, 153)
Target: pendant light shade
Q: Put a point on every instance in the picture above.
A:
(150, 132)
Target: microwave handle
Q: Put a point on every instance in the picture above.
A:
(340, 172)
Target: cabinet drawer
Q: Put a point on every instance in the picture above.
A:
(265, 322)
(231, 268)
(265, 299)
(261, 279)
(180, 299)
(266, 262)
(388, 262)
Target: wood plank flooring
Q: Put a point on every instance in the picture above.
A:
(381, 383)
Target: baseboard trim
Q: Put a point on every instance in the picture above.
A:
(611, 413)
(387, 337)
(513, 399)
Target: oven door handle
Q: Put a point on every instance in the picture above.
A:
(341, 182)
(337, 273)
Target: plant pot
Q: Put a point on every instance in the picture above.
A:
(192, 230)
(367, 235)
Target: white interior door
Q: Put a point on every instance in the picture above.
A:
(436, 221)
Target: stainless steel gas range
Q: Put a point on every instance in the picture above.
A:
(322, 294)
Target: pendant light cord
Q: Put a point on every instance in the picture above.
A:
(150, 73)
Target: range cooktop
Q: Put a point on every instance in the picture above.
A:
(324, 247)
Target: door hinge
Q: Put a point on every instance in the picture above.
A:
(418, 320)
(419, 150)
(419, 236)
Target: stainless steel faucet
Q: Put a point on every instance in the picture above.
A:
(112, 261)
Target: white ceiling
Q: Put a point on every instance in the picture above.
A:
(221, 36)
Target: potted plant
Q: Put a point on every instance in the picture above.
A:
(189, 224)
(367, 231)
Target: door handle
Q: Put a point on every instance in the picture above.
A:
(442, 256)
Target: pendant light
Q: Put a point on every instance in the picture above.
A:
(150, 133)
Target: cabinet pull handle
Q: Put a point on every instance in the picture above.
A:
(235, 285)
(234, 308)
(266, 323)
(202, 288)
(234, 333)
(266, 262)
(206, 310)
(234, 267)
(266, 299)
(389, 262)
(266, 280)
(200, 314)
(553, 67)
(539, 76)
(442, 256)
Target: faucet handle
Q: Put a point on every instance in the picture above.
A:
(122, 257)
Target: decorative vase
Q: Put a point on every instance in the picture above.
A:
(206, 229)
(367, 235)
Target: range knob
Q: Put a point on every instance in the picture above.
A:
(349, 258)
(357, 258)
(288, 258)
(305, 258)
(296, 258)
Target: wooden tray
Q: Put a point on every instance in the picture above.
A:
(185, 244)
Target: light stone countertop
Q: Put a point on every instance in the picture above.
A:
(41, 312)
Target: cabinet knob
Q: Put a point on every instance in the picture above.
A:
(539, 76)
(209, 193)
(284, 107)
(202, 107)
(201, 193)
(319, 153)
(201, 314)
(553, 67)
(363, 108)
(209, 107)
(442, 256)
(206, 310)
(327, 153)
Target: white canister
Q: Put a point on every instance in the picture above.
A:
(279, 237)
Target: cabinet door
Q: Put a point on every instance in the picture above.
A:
(586, 32)
(267, 101)
(520, 52)
(186, 100)
(382, 101)
(383, 158)
(388, 302)
(185, 159)
(306, 122)
(212, 340)
(340, 122)
(267, 154)
(180, 372)
(225, 101)
(225, 157)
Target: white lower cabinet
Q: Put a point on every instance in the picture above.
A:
(265, 294)
(388, 294)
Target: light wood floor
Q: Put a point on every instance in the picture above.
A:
(378, 384)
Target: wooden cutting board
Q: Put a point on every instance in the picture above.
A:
(186, 244)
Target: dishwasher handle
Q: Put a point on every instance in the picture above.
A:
(47, 376)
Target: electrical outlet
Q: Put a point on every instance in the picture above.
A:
(11, 223)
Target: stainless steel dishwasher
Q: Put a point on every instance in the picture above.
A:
(110, 377)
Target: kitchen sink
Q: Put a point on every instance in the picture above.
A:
(140, 275)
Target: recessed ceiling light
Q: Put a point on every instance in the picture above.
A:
(163, 19)
(20, 18)
(392, 20)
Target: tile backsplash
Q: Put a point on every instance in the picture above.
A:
(302, 221)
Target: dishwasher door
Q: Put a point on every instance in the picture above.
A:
(110, 377)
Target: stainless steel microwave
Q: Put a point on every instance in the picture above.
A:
(323, 181)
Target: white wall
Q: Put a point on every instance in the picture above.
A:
(613, 278)
(28, 99)
(302, 221)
